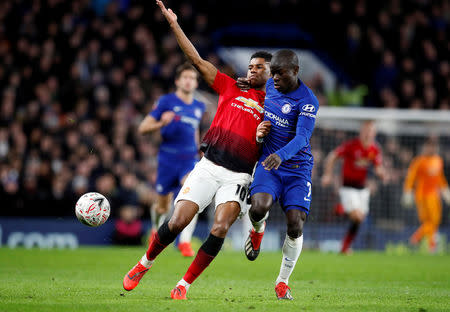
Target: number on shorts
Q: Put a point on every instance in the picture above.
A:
(241, 191)
(308, 184)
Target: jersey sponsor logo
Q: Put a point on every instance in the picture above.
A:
(190, 120)
(362, 162)
(286, 109)
(309, 108)
(282, 122)
(249, 106)
(250, 103)
(307, 115)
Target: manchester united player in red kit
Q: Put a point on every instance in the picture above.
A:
(358, 155)
(224, 172)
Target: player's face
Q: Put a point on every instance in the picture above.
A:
(187, 82)
(430, 148)
(258, 72)
(368, 132)
(284, 78)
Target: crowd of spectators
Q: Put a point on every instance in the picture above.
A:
(77, 77)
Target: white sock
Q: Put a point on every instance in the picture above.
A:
(186, 285)
(157, 219)
(292, 248)
(246, 224)
(260, 225)
(145, 262)
(162, 218)
(186, 234)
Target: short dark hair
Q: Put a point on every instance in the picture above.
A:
(185, 66)
(262, 54)
(286, 57)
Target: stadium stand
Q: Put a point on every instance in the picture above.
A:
(76, 78)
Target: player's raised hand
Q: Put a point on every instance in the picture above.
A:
(167, 117)
(243, 83)
(273, 161)
(168, 13)
(263, 129)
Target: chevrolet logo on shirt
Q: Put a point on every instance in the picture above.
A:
(250, 103)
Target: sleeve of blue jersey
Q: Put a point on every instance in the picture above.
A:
(161, 107)
(305, 126)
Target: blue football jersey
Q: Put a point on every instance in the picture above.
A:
(178, 137)
(292, 116)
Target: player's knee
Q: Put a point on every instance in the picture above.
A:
(294, 229)
(258, 209)
(357, 216)
(177, 223)
(220, 229)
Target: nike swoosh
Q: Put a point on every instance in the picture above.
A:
(307, 199)
(136, 274)
(287, 259)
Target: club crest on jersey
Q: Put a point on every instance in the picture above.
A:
(309, 108)
(286, 109)
(198, 113)
(250, 103)
(186, 190)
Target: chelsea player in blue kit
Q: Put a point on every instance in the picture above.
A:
(283, 172)
(178, 116)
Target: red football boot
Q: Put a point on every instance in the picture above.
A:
(133, 277)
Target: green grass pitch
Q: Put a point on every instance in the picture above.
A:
(90, 279)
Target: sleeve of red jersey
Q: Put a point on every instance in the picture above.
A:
(222, 82)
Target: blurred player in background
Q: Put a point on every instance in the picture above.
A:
(426, 178)
(177, 115)
(224, 172)
(283, 172)
(358, 155)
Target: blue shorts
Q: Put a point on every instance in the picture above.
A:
(170, 175)
(292, 190)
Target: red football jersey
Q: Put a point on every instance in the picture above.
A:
(231, 140)
(357, 160)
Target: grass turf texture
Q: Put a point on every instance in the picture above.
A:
(90, 279)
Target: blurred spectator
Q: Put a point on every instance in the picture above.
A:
(128, 228)
(76, 78)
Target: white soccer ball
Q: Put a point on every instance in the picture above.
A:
(92, 209)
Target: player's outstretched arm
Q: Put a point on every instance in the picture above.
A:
(380, 171)
(445, 190)
(150, 124)
(330, 161)
(206, 69)
(408, 197)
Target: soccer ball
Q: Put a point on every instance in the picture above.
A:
(92, 209)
